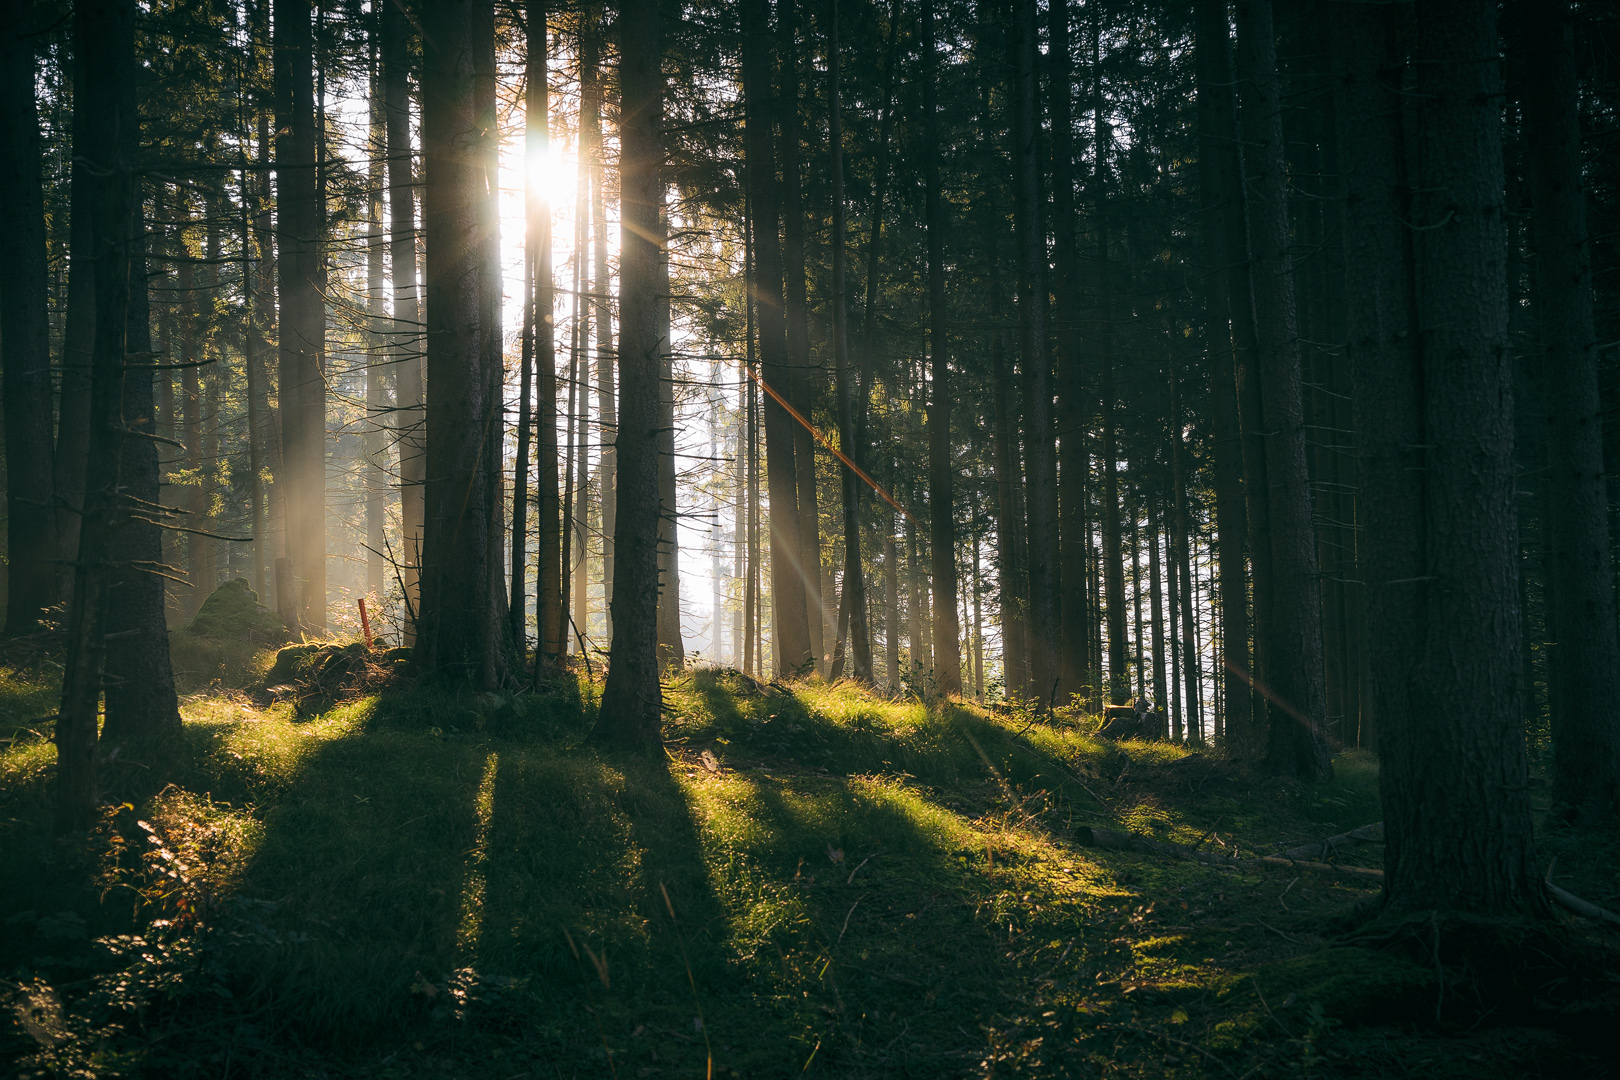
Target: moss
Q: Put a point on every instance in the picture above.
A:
(232, 611)
(1349, 984)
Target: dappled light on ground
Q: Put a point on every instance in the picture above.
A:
(808, 881)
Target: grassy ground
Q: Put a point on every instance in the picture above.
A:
(426, 883)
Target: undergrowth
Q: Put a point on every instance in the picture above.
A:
(810, 880)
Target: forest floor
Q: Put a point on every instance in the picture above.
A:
(410, 882)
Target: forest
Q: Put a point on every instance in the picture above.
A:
(855, 538)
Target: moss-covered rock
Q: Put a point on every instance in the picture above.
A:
(232, 612)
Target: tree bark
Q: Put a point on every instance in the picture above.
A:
(1585, 711)
(139, 699)
(802, 378)
(1112, 552)
(1455, 776)
(459, 635)
(591, 100)
(854, 602)
(671, 647)
(1297, 744)
(104, 41)
(1037, 377)
(32, 540)
(790, 622)
(1072, 406)
(303, 311)
(407, 342)
(941, 498)
(376, 439)
(632, 698)
(1215, 115)
(551, 634)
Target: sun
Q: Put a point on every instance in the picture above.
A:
(552, 174)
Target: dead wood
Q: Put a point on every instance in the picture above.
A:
(1327, 849)
(1109, 839)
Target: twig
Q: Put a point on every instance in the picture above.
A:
(851, 914)
(857, 870)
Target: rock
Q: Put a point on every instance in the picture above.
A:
(233, 612)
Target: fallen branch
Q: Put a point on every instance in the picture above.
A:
(1326, 849)
(1090, 836)
(1570, 902)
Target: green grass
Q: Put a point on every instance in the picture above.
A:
(440, 883)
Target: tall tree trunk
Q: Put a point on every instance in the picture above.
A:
(104, 42)
(32, 538)
(1586, 759)
(459, 634)
(941, 500)
(551, 634)
(854, 604)
(1216, 106)
(1011, 581)
(1037, 376)
(1435, 411)
(192, 501)
(78, 347)
(376, 437)
(1156, 600)
(671, 647)
(1112, 552)
(139, 696)
(303, 311)
(590, 116)
(632, 698)
(790, 622)
(1072, 406)
(1298, 742)
(1179, 551)
(801, 377)
(407, 343)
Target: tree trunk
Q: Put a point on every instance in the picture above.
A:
(1297, 743)
(78, 347)
(671, 647)
(551, 634)
(790, 622)
(941, 499)
(1215, 115)
(1112, 553)
(1037, 378)
(459, 635)
(1156, 600)
(31, 518)
(375, 439)
(407, 343)
(1586, 768)
(1179, 551)
(1072, 406)
(1434, 406)
(303, 312)
(632, 698)
(1011, 581)
(802, 380)
(854, 603)
(590, 118)
(104, 41)
(139, 697)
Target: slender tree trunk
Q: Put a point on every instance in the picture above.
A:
(1175, 584)
(590, 116)
(551, 632)
(139, 696)
(891, 610)
(1179, 551)
(632, 698)
(303, 312)
(1043, 622)
(78, 347)
(941, 499)
(671, 648)
(1156, 600)
(32, 539)
(1136, 604)
(407, 343)
(790, 623)
(1215, 116)
(459, 634)
(104, 42)
(376, 438)
(860, 644)
(1298, 742)
(1586, 759)
(801, 377)
(1009, 526)
(1112, 550)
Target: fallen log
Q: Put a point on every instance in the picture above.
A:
(1570, 902)
(1326, 849)
(1109, 839)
